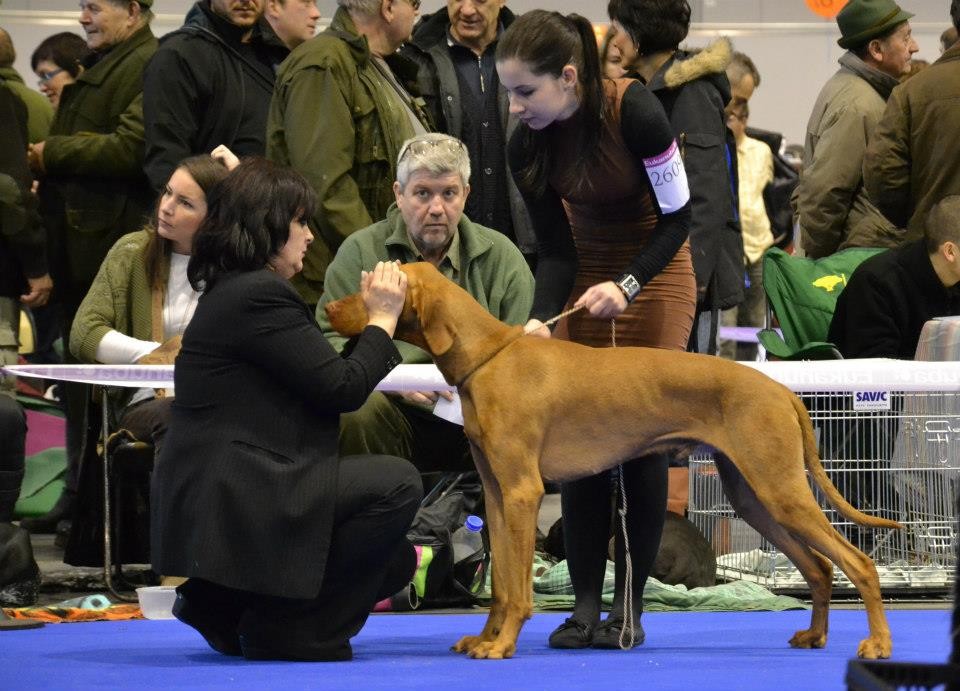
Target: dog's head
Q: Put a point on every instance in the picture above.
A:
(420, 323)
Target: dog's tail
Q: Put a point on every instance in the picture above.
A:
(811, 458)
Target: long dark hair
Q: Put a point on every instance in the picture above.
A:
(206, 171)
(545, 42)
(248, 220)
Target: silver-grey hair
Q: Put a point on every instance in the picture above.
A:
(364, 8)
(435, 153)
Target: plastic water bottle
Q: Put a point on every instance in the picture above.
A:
(467, 540)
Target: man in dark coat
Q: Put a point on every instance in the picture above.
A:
(892, 295)
(210, 83)
(23, 280)
(454, 49)
(92, 187)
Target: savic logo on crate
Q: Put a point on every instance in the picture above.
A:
(871, 400)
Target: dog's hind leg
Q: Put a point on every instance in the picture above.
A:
(791, 505)
(816, 570)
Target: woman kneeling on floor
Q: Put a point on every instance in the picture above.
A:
(286, 545)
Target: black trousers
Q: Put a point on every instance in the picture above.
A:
(369, 559)
(13, 432)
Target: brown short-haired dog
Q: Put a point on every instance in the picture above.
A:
(540, 409)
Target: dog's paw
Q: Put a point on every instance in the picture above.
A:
(493, 650)
(467, 644)
(808, 638)
(873, 648)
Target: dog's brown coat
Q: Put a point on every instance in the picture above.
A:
(539, 409)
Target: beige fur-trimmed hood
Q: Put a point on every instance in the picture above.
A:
(710, 61)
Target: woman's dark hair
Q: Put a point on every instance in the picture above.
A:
(206, 171)
(66, 50)
(248, 220)
(545, 42)
(653, 25)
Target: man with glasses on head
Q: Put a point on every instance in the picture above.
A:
(426, 223)
(455, 49)
(344, 101)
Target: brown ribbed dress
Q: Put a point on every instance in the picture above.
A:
(611, 219)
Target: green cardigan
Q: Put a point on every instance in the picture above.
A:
(118, 300)
(490, 268)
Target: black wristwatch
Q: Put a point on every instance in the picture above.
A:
(629, 285)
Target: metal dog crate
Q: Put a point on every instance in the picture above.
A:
(900, 463)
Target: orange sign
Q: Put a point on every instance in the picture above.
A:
(828, 9)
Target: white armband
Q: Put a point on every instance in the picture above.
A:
(668, 179)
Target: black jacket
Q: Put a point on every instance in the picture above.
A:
(887, 301)
(204, 88)
(438, 85)
(243, 489)
(22, 246)
(694, 91)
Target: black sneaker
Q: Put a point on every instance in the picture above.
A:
(571, 634)
(607, 634)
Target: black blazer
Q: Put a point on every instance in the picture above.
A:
(243, 489)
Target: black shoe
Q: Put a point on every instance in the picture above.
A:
(334, 653)
(19, 573)
(607, 634)
(62, 534)
(571, 634)
(47, 523)
(224, 642)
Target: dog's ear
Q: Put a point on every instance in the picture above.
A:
(431, 313)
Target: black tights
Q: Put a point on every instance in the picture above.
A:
(586, 529)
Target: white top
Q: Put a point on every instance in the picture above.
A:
(179, 304)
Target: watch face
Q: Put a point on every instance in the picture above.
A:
(630, 286)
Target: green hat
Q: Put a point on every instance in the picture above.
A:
(863, 20)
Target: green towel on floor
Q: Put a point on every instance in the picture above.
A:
(552, 591)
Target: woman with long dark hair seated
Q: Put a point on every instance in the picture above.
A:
(286, 545)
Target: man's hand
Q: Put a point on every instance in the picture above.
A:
(424, 399)
(35, 157)
(535, 327)
(39, 294)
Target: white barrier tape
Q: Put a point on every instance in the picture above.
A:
(402, 378)
(809, 376)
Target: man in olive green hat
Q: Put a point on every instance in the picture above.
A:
(832, 207)
(911, 163)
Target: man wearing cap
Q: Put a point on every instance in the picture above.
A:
(92, 187)
(911, 162)
(832, 206)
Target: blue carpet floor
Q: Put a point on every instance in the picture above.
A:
(685, 650)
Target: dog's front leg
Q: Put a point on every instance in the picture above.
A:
(512, 559)
(493, 502)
